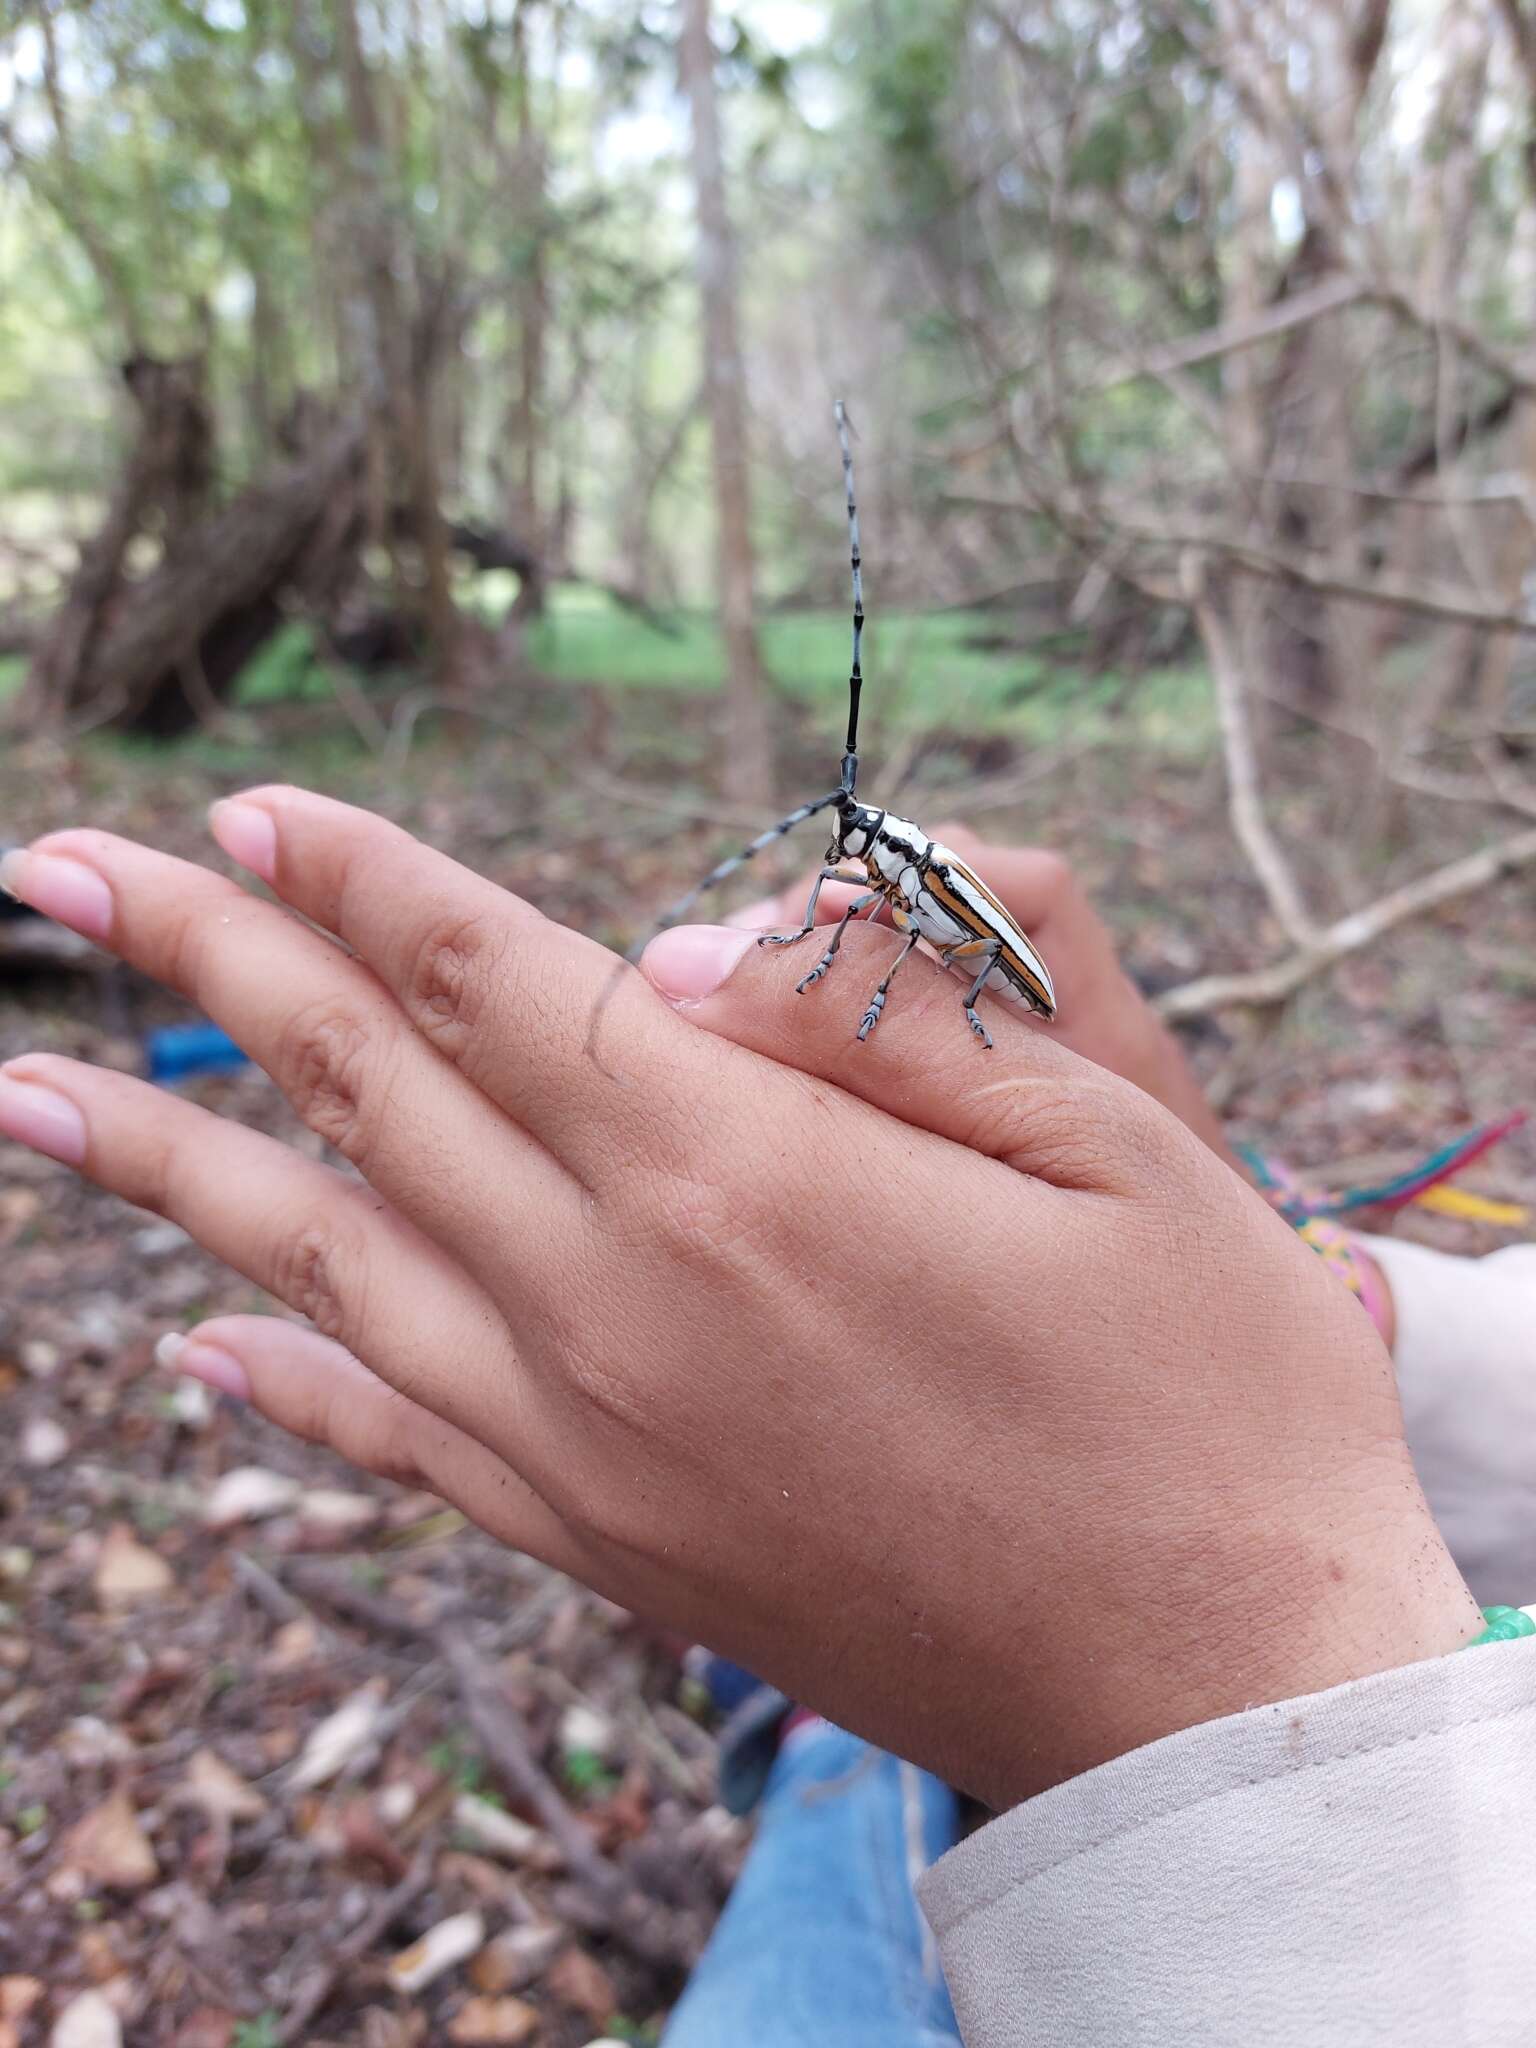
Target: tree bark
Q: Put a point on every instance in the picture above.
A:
(402, 383)
(748, 768)
(181, 635)
(526, 424)
(167, 477)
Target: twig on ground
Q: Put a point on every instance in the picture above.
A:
(1361, 928)
(327, 1976)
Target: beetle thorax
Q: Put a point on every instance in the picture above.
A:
(896, 851)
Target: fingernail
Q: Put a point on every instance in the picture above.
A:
(60, 889)
(196, 1360)
(690, 961)
(757, 917)
(247, 834)
(44, 1121)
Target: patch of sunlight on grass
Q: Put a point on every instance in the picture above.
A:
(924, 671)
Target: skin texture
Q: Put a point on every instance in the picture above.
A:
(1101, 1012)
(965, 1395)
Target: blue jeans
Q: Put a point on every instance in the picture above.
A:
(822, 1944)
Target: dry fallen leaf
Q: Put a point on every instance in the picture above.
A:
(89, 2021)
(221, 1793)
(127, 1573)
(340, 1738)
(487, 2022)
(295, 1644)
(500, 1833)
(583, 1985)
(107, 1847)
(440, 1949)
(18, 1995)
(249, 1493)
(43, 1443)
(327, 1508)
(518, 1956)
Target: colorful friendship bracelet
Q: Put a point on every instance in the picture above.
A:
(1311, 1212)
(1505, 1624)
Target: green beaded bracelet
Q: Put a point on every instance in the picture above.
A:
(1504, 1624)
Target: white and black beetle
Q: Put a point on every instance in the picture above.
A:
(932, 893)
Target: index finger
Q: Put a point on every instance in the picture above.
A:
(547, 1023)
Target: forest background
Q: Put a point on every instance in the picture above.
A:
(431, 401)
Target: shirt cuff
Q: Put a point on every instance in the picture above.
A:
(1355, 1866)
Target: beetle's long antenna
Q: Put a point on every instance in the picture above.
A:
(856, 675)
(727, 868)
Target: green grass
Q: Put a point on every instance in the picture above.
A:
(12, 668)
(927, 672)
(931, 670)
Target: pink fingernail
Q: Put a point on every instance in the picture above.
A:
(61, 889)
(690, 961)
(40, 1119)
(248, 834)
(196, 1360)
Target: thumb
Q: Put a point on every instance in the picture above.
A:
(1028, 1102)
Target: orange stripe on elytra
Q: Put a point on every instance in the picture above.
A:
(963, 915)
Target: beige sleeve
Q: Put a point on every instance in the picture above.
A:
(1354, 1867)
(1466, 1370)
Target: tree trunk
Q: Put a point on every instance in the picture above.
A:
(402, 384)
(166, 478)
(525, 425)
(178, 638)
(748, 768)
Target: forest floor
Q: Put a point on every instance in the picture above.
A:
(245, 1756)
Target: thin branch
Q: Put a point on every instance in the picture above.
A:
(1245, 802)
(1361, 928)
(1282, 317)
(328, 1975)
(1423, 596)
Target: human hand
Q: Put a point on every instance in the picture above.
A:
(1100, 1011)
(967, 1398)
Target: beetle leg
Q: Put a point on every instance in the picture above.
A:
(877, 1000)
(973, 949)
(821, 881)
(859, 903)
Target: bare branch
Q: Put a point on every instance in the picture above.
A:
(1361, 928)
(1245, 802)
(1282, 317)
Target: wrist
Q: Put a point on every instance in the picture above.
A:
(1303, 1616)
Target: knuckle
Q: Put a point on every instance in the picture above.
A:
(308, 1278)
(449, 979)
(322, 1063)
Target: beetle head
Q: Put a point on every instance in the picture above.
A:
(855, 832)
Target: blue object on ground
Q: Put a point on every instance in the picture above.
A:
(822, 1944)
(177, 1052)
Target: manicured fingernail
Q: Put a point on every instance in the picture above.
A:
(689, 962)
(39, 1118)
(757, 917)
(195, 1360)
(60, 889)
(248, 834)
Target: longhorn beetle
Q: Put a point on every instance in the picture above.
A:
(932, 893)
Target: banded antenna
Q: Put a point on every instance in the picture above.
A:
(856, 674)
(850, 766)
